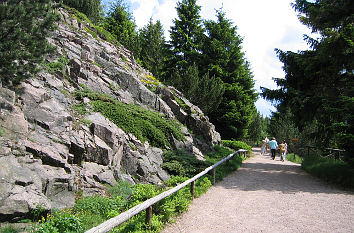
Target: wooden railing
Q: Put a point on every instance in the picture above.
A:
(147, 205)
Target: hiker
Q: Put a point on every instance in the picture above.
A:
(264, 145)
(283, 149)
(273, 147)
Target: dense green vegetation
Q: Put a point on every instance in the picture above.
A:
(91, 8)
(317, 93)
(294, 158)
(91, 211)
(236, 145)
(333, 171)
(23, 36)
(145, 124)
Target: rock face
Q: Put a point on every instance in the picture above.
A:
(48, 152)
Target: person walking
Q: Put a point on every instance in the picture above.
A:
(264, 146)
(282, 148)
(273, 147)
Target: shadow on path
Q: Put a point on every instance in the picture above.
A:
(263, 173)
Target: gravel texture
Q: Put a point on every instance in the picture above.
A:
(267, 195)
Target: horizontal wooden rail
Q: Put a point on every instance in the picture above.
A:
(123, 217)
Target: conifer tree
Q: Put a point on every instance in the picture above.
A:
(120, 22)
(24, 26)
(151, 42)
(319, 83)
(223, 58)
(186, 35)
(91, 8)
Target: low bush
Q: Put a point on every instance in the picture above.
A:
(146, 125)
(180, 163)
(333, 171)
(236, 145)
(89, 212)
(60, 221)
(294, 158)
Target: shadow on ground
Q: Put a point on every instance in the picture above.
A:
(262, 173)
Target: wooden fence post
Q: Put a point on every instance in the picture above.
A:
(192, 189)
(214, 172)
(148, 216)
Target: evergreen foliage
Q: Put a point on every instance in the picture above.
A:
(186, 36)
(146, 125)
(24, 26)
(204, 91)
(223, 58)
(91, 8)
(319, 84)
(120, 22)
(151, 41)
(258, 129)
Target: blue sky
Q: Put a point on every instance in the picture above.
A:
(264, 26)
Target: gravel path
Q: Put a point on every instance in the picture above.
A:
(267, 195)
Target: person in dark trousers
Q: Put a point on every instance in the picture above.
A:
(273, 147)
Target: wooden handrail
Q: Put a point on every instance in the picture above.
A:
(125, 216)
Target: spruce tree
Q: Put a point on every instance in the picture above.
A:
(223, 58)
(151, 42)
(24, 26)
(91, 8)
(319, 83)
(184, 59)
(120, 22)
(186, 35)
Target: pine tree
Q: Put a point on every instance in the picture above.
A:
(24, 26)
(224, 59)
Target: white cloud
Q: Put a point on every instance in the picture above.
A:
(264, 26)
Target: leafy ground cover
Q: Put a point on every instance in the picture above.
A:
(91, 211)
(294, 158)
(333, 171)
(145, 124)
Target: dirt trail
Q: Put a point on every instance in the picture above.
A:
(267, 195)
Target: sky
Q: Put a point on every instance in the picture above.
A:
(263, 25)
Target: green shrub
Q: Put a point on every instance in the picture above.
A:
(57, 66)
(294, 158)
(236, 145)
(2, 132)
(60, 221)
(146, 125)
(80, 108)
(333, 171)
(98, 205)
(179, 163)
(122, 188)
(9, 229)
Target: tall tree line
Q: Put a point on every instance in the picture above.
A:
(203, 58)
(318, 87)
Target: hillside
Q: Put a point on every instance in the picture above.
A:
(91, 117)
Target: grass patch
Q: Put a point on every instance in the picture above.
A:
(333, 171)
(294, 158)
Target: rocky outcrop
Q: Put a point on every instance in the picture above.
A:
(49, 152)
